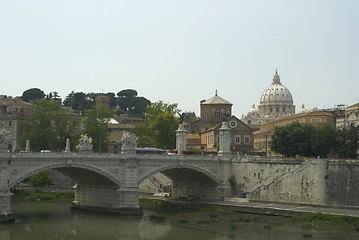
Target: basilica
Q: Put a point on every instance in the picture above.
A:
(276, 101)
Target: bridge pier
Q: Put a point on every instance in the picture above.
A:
(107, 199)
(5, 206)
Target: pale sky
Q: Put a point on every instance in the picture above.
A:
(182, 51)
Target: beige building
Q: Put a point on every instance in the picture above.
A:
(350, 117)
(215, 111)
(263, 136)
(241, 137)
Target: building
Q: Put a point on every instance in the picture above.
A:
(214, 111)
(103, 100)
(12, 111)
(276, 101)
(317, 118)
(349, 117)
(241, 137)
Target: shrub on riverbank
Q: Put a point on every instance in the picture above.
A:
(36, 195)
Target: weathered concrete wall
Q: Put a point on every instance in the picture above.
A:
(251, 173)
(342, 182)
(315, 181)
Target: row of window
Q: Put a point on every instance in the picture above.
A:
(237, 139)
(2, 124)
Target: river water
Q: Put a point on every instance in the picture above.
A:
(55, 220)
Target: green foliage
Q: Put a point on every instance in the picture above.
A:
(35, 195)
(32, 94)
(47, 127)
(322, 217)
(80, 101)
(348, 142)
(96, 126)
(41, 180)
(130, 103)
(159, 127)
(324, 141)
(303, 139)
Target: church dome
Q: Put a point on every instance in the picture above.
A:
(253, 110)
(276, 93)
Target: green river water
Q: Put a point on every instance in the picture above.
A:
(55, 220)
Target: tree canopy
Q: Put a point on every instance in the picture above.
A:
(32, 94)
(80, 101)
(47, 127)
(159, 127)
(41, 180)
(348, 142)
(96, 126)
(130, 103)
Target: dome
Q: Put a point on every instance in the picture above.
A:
(276, 93)
(253, 110)
(302, 110)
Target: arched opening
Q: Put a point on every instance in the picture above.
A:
(190, 184)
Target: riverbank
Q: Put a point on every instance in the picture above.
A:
(21, 194)
(287, 209)
(234, 204)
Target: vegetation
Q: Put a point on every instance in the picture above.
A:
(96, 126)
(159, 127)
(35, 195)
(80, 101)
(47, 127)
(306, 140)
(32, 94)
(41, 180)
(131, 104)
(348, 142)
(321, 217)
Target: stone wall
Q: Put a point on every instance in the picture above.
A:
(342, 182)
(253, 172)
(313, 181)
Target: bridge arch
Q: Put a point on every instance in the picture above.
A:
(189, 181)
(81, 174)
(169, 168)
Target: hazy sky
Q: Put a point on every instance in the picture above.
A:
(182, 51)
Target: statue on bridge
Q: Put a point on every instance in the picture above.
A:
(129, 143)
(4, 140)
(85, 144)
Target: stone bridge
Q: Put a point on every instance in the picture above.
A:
(109, 182)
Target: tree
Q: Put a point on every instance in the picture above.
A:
(129, 103)
(293, 139)
(96, 126)
(41, 180)
(159, 127)
(348, 142)
(47, 127)
(32, 94)
(80, 101)
(324, 141)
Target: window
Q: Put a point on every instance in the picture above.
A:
(10, 123)
(316, 120)
(247, 139)
(206, 115)
(2, 124)
(217, 114)
(249, 121)
(237, 139)
(277, 109)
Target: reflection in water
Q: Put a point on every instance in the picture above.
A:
(49, 220)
